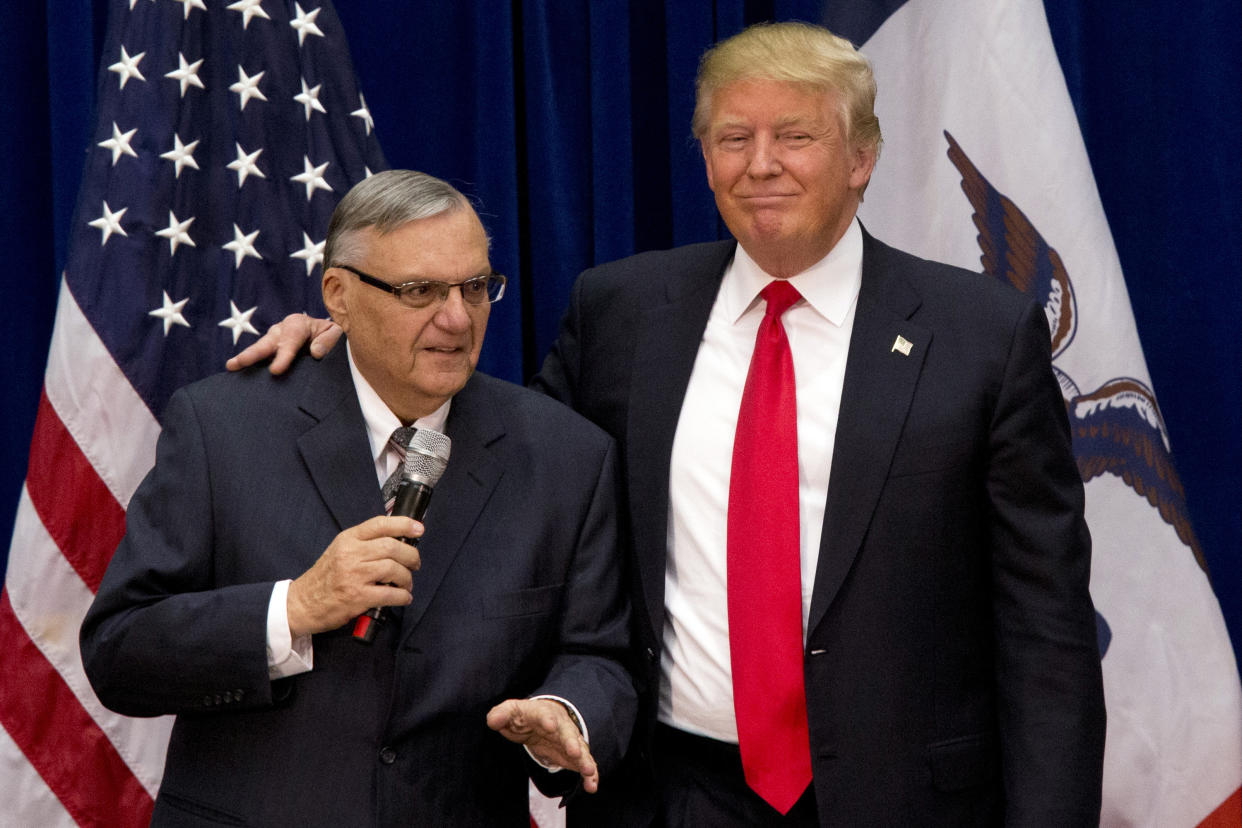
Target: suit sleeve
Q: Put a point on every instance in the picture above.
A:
(558, 376)
(594, 632)
(161, 637)
(1048, 663)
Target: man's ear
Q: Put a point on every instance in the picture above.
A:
(864, 164)
(334, 297)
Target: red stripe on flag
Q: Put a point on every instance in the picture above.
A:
(76, 507)
(1228, 815)
(61, 740)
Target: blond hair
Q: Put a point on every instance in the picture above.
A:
(797, 53)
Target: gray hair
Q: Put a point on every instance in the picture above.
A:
(385, 201)
(797, 53)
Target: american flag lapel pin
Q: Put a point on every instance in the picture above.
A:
(902, 345)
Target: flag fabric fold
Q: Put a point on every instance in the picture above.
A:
(984, 167)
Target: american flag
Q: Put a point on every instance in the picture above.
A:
(226, 133)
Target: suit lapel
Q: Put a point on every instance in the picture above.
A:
(335, 449)
(666, 344)
(476, 464)
(879, 385)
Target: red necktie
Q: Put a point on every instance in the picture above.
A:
(764, 569)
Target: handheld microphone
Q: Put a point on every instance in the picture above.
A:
(425, 460)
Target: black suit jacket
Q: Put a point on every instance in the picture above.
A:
(951, 665)
(519, 593)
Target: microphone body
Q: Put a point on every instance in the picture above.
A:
(413, 497)
(425, 460)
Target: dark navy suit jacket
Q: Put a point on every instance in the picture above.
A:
(519, 593)
(951, 664)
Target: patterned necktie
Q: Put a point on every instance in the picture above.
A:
(400, 440)
(764, 569)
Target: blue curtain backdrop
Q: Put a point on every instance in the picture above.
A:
(568, 120)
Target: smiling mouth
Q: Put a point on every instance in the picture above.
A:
(767, 200)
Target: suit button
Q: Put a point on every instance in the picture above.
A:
(652, 655)
(206, 701)
(238, 693)
(387, 755)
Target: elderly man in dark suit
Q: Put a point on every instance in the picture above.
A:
(261, 534)
(860, 564)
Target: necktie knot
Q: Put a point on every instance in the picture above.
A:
(401, 437)
(400, 440)
(779, 295)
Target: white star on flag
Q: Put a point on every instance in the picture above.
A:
(186, 73)
(247, 87)
(191, 4)
(176, 233)
(310, 99)
(110, 223)
(312, 177)
(248, 9)
(119, 143)
(245, 165)
(239, 321)
(182, 155)
(364, 113)
(304, 22)
(127, 67)
(170, 313)
(242, 246)
(311, 253)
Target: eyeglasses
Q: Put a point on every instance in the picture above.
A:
(481, 290)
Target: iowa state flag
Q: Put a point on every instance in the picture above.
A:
(984, 167)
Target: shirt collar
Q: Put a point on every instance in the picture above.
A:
(830, 286)
(380, 420)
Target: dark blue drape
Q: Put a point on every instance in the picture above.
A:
(569, 121)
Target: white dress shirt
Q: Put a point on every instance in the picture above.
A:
(696, 688)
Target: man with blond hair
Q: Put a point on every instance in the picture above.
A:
(859, 561)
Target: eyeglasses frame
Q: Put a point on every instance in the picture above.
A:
(401, 289)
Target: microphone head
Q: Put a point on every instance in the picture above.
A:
(426, 457)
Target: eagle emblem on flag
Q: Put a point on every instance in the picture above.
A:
(1117, 428)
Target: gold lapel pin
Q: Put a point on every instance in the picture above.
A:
(902, 344)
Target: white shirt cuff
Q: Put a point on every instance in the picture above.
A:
(578, 720)
(286, 656)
